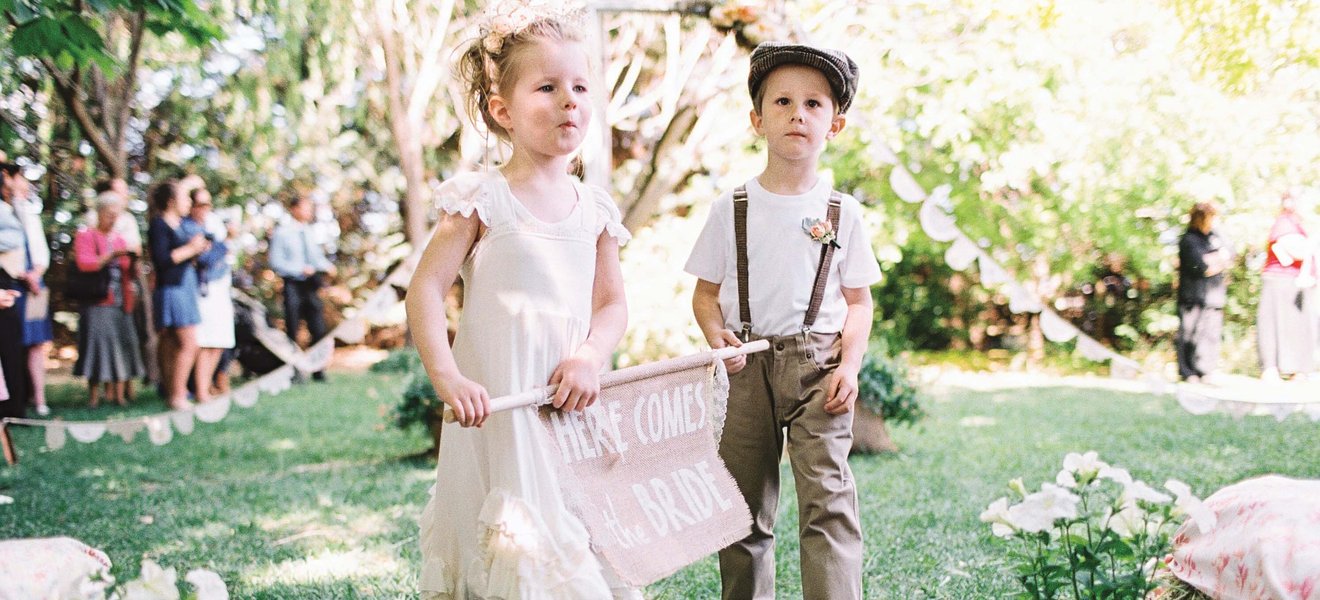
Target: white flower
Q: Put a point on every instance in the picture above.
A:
(997, 516)
(154, 583)
(1038, 511)
(1065, 479)
(1128, 521)
(1018, 487)
(1187, 503)
(1115, 474)
(1084, 466)
(208, 583)
(1138, 490)
(6, 499)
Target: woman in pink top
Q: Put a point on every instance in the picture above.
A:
(107, 339)
(1285, 328)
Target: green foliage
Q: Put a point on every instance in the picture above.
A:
(419, 406)
(66, 31)
(883, 387)
(402, 360)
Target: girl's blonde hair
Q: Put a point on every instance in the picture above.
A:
(491, 63)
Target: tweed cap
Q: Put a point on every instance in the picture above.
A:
(837, 67)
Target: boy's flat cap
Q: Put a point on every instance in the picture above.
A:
(838, 68)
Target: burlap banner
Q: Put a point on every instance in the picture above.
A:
(642, 470)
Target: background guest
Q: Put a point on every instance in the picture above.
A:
(37, 328)
(1284, 327)
(1203, 256)
(175, 242)
(215, 333)
(13, 355)
(300, 261)
(107, 339)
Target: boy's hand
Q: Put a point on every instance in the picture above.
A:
(842, 391)
(467, 398)
(729, 338)
(578, 378)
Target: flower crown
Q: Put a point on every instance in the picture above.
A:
(506, 18)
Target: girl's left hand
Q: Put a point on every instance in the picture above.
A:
(578, 378)
(33, 279)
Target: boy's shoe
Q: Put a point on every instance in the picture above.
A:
(43, 411)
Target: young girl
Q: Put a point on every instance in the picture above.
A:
(174, 243)
(543, 303)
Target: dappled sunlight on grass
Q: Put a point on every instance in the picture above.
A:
(326, 565)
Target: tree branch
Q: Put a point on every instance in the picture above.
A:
(69, 92)
(128, 85)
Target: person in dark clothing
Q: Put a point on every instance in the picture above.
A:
(297, 257)
(1203, 256)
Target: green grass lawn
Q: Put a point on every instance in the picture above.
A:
(306, 496)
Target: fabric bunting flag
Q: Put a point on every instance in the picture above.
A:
(183, 421)
(159, 430)
(246, 396)
(641, 467)
(1020, 300)
(961, 254)
(55, 437)
(351, 331)
(214, 411)
(937, 223)
(126, 429)
(1056, 328)
(86, 432)
(992, 274)
(907, 188)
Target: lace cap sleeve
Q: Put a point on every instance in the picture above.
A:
(464, 193)
(608, 218)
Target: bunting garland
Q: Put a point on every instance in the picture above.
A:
(161, 427)
(938, 222)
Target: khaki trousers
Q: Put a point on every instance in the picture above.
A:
(783, 390)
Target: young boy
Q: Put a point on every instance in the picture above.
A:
(787, 259)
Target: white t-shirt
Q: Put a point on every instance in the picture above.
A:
(782, 259)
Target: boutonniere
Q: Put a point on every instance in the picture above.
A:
(820, 231)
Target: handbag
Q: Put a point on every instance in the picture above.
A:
(87, 286)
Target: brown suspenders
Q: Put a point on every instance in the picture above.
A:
(740, 242)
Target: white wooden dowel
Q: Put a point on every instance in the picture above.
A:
(536, 395)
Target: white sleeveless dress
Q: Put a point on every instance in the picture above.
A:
(497, 525)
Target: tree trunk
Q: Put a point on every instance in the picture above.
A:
(870, 436)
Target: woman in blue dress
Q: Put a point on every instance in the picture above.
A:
(175, 243)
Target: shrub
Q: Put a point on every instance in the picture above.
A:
(403, 360)
(883, 387)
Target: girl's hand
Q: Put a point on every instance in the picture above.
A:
(578, 378)
(842, 390)
(467, 398)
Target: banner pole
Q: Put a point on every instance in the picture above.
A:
(536, 395)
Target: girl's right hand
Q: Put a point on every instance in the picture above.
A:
(467, 398)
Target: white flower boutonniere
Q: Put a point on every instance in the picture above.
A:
(820, 230)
